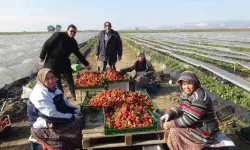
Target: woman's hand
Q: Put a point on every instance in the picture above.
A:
(50, 125)
(166, 125)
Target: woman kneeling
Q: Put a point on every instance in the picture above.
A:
(192, 121)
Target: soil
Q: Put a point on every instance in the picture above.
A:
(165, 98)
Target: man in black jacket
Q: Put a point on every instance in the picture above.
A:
(108, 47)
(57, 50)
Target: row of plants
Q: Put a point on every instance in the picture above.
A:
(232, 66)
(90, 43)
(230, 47)
(204, 59)
(225, 91)
(191, 46)
(194, 49)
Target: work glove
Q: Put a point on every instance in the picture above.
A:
(145, 74)
(122, 71)
(165, 118)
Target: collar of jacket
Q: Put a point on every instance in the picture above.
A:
(112, 33)
(44, 88)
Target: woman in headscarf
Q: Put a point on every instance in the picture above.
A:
(51, 116)
(144, 70)
(192, 121)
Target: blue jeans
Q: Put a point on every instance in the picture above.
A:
(35, 146)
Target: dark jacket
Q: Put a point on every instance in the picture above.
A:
(195, 111)
(114, 47)
(145, 67)
(57, 50)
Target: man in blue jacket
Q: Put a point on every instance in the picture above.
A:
(108, 47)
(57, 50)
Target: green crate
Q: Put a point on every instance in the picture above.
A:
(90, 87)
(154, 127)
(128, 74)
(156, 108)
(76, 67)
(85, 106)
(93, 114)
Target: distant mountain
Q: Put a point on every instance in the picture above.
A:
(211, 24)
(200, 25)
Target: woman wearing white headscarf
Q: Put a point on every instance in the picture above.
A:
(51, 116)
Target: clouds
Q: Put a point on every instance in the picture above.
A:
(201, 24)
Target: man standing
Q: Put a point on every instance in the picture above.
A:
(57, 50)
(108, 47)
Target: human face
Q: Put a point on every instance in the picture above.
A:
(71, 32)
(50, 80)
(140, 58)
(188, 87)
(107, 28)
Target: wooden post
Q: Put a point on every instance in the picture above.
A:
(128, 139)
(85, 142)
(166, 136)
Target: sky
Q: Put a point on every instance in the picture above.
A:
(36, 15)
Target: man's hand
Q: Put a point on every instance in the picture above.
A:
(119, 58)
(88, 67)
(97, 57)
(41, 60)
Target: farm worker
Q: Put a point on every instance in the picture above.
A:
(144, 70)
(52, 118)
(192, 121)
(108, 47)
(57, 50)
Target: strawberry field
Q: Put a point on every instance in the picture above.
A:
(221, 60)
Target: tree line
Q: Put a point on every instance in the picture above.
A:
(56, 28)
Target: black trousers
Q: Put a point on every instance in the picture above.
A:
(69, 77)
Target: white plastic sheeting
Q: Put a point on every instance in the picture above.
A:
(222, 73)
(19, 54)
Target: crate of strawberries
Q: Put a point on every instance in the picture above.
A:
(88, 79)
(111, 76)
(5, 125)
(131, 106)
(86, 107)
(128, 119)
